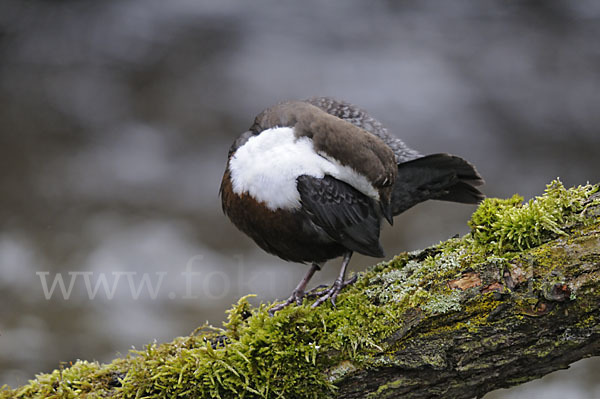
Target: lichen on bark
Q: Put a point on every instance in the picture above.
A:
(516, 298)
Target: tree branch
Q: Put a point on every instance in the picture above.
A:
(521, 320)
(458, 320)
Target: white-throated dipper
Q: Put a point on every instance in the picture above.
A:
(312, 180)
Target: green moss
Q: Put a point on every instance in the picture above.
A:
(301, 352)
(509, 225)
(486, 220)
(81, 379)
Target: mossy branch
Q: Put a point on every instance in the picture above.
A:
(517, 298)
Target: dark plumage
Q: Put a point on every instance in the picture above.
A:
(311, 180)
(348, 217)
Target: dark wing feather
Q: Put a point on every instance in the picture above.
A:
(442, 177)
(345, 214)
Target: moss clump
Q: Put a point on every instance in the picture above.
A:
(80, 380)
(509, 225)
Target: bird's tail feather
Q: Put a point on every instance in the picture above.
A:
(438, 176)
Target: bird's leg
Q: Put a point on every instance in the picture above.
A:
(298, 293)
(338, 284)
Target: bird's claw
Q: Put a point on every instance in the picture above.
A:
(297, 296)
(332, 292)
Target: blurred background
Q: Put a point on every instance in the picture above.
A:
(116, 118)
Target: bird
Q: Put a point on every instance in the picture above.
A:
(312, 180)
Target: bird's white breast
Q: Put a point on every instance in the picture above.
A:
(267, 166)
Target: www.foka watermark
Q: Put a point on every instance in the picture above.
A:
(193, 281)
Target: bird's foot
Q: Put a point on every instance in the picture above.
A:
(332, 292)
(296, 297)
